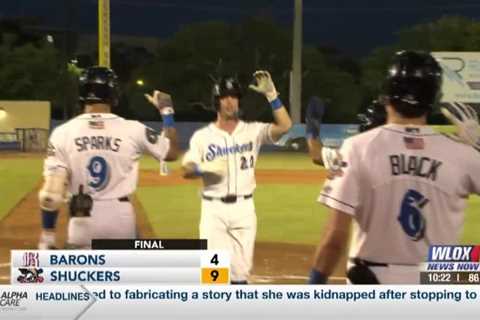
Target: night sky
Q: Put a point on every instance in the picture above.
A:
(354, 27)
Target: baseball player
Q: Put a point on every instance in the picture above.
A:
(313, 119)
(224, 155)
(94, 156)
(402, 186)
(329, 157)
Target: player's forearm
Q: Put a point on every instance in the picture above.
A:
(51, 198)
(332, 246)
(282, 119)
(329, 253)
(173, 151)
(315, 151)
(282, 123)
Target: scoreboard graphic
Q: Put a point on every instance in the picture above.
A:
(157, 262)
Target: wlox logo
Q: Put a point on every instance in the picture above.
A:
(454, 253)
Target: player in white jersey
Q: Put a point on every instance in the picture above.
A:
(94, 156)
(224, 154)
(403, 185)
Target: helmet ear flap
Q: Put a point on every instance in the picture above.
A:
(216, 96)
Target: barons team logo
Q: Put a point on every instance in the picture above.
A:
(31, 259)
(30, 273)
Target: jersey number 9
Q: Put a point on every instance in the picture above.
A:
(99, 173)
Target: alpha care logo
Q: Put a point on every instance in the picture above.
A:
(12, 300)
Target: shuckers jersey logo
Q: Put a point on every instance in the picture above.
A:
(215, 150)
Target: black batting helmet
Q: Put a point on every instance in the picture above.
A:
(374, 116)
(98, 85)
(413, 83)
(225, 86)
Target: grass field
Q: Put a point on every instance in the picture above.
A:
(286, 213)
(17, 177)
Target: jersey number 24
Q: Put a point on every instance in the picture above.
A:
(245, 163)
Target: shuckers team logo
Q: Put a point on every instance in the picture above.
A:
(454, 253)
(30, 275)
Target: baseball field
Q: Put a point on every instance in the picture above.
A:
(289, 219)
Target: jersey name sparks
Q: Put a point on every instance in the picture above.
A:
(97, 143)
(219, 151)
(416, 166)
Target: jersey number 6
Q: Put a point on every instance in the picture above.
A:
(411, 218)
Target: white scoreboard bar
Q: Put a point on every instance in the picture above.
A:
(120, 267)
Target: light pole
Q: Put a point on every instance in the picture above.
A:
(296, 74)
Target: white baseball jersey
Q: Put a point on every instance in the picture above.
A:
(406, 187)
(101, 151)
(240, 149)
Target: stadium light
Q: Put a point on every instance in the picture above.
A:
(3, 113)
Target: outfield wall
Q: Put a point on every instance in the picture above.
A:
(24, 114)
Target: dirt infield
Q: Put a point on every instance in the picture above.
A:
(274, 262)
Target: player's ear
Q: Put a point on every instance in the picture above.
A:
(389, 109)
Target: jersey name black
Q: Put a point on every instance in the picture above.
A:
(423, 167)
